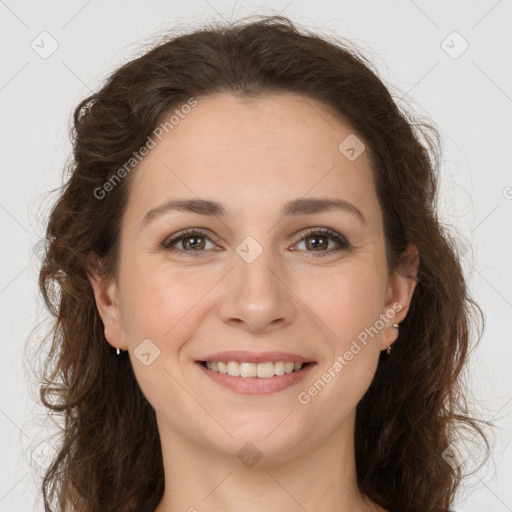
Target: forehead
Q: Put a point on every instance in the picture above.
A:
(265, 124)
(245, 151)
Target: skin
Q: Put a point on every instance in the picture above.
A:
(253, 156)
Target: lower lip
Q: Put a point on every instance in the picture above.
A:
(255, 385)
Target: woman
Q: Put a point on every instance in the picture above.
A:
(256, 306)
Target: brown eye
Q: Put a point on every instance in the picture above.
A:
(193, 242)
(319, 240)
(189, 241)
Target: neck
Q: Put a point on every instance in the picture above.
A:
(199, 479)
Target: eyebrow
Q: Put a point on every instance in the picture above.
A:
(296, 207)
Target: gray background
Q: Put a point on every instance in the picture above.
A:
(468, 94)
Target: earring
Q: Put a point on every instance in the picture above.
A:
(388, 350)
(118, 351)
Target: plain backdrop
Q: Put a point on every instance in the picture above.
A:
(448, 60)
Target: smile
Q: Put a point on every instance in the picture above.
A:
(260, 378)
(264, 370)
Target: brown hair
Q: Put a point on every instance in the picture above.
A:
(110, 455)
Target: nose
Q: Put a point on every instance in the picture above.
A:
(257, 296)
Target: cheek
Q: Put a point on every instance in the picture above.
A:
(165, 302)
(348, 300)
(155, 298)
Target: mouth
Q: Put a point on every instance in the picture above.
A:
(245, 369)
(250, 373)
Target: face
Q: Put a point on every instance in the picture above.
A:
(271, 274)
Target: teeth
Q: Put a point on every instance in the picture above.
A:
(279, 368)
(264, 370)
(233, 368)
(248, 369)
(260, 370)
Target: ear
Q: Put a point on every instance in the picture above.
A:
(107, 301)
(399, 294)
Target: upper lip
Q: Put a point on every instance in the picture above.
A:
(255, 357)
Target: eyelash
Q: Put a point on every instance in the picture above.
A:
(309, 233)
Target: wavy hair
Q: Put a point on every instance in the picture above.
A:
(109, 457)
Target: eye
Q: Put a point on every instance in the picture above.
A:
(317, 239)
(191, 240)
